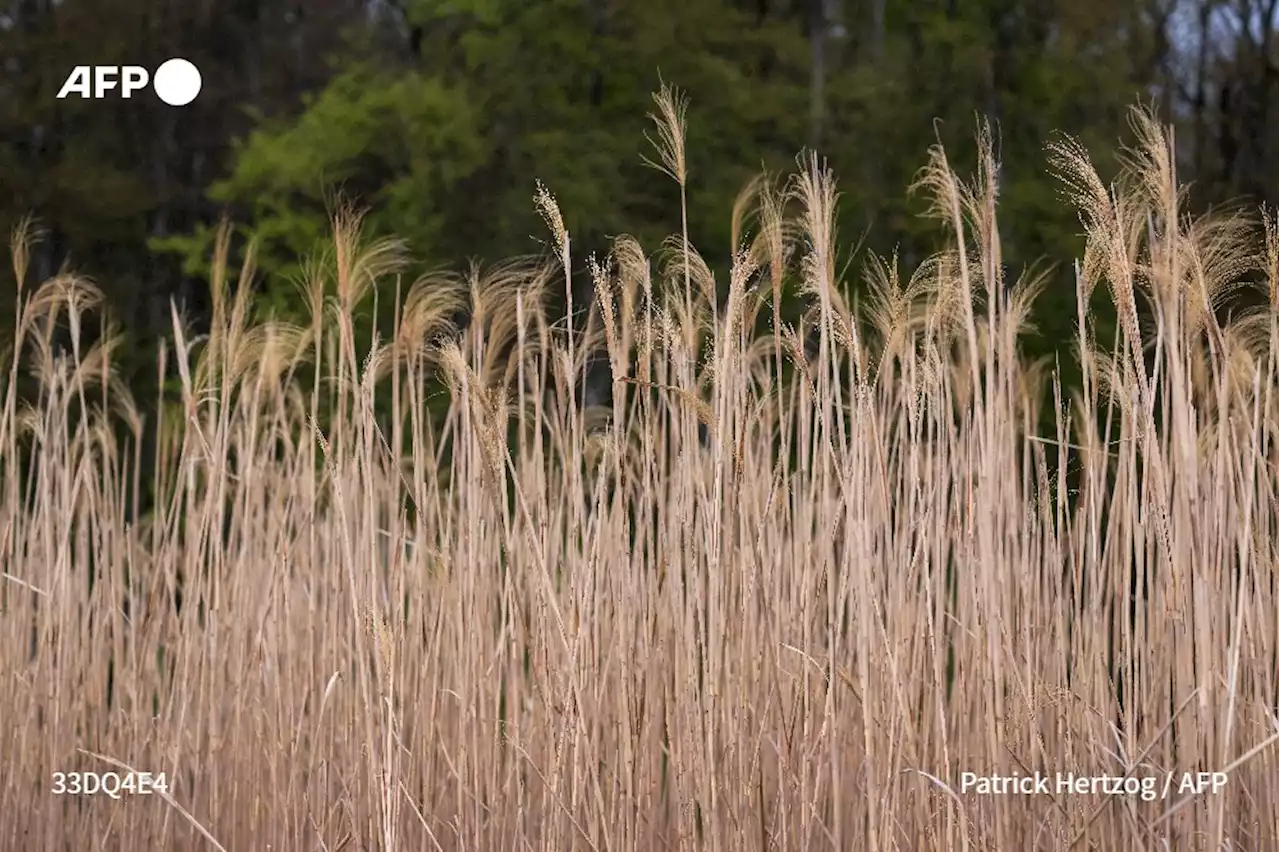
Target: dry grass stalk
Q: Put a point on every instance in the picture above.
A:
(541, 626)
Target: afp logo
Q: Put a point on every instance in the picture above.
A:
(177, 81)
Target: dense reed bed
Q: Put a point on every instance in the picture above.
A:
(779, 592)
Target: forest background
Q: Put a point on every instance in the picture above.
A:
(438, 116)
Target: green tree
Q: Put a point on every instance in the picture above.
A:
(443, 142)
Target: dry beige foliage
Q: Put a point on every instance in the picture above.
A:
(779, 594)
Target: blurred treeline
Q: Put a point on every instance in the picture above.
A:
(439, 115)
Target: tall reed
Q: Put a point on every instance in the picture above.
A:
(781, 591)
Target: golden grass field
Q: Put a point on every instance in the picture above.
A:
(781, 592)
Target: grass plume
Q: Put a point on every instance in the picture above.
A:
(779, 592)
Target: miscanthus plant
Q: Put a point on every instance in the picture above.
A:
(781, 592)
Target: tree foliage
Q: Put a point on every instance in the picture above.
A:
(438, 116)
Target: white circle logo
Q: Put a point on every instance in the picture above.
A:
(177, 82)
